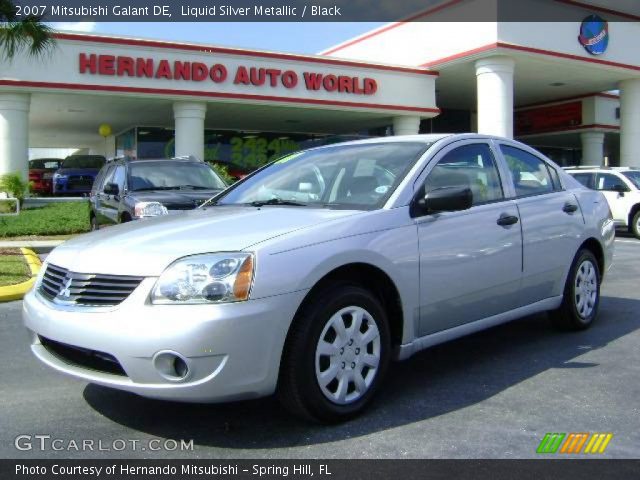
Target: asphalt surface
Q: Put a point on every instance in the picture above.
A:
(491, 395)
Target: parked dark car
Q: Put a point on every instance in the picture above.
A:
(127, 189)
(41, 172)
(77, 174)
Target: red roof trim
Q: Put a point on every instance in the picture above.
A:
(567, 99)
(237, 96)
(391, 26)
(538, 51)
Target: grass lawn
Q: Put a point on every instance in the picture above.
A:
(52, 219)
(13, 268)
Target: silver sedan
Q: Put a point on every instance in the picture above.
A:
(309, 276)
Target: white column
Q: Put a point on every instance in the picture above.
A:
(189, 125)
(592, 148)
(494, 79)
(14, 133)
(406, 125)
(630, 122)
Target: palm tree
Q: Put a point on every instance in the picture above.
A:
(17, 33)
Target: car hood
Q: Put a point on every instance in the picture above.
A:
(170, 198)
(147, 247)
(78, 171)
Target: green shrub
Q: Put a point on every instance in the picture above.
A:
(52, 219)
(14, 185)
(223, 171)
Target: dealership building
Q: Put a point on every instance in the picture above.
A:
(572, 89)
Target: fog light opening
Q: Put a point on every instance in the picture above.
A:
(171, 366)
(180, 367)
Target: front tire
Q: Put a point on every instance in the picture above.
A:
(94, 223)
(581, 294)
(336, 355)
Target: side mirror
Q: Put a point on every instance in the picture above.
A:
(621, 189)
(445, 199)
(111, 189)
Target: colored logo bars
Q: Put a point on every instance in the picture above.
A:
(574, 443)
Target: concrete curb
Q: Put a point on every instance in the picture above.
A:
(16, 292)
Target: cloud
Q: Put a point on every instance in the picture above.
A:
(74, 26)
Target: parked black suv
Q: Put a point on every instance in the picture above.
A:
(128, 189)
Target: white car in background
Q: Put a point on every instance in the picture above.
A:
(621, 187)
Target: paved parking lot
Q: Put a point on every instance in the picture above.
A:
(492, 395)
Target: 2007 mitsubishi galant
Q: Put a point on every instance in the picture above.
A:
(310, 275)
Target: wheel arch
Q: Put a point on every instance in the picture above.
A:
(632, 213)
(374, 279)
(594, 246)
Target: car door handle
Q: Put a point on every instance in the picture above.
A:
(570, 208)
(506, 220)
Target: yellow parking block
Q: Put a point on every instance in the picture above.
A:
(16, 292)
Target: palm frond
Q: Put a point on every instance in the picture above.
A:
(30, 33)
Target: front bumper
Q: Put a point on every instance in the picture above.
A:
(232, 350)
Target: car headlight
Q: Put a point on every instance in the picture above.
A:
(59, 176)
(149, 209)
(209, 278)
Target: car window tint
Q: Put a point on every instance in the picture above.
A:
(118, 176)
(530, 174)
(634, 176)
(108, 177)
(470, 166)
(607, 181)
(583, 178)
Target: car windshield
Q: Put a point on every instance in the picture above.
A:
(45, 164)
(634, 176)
(343, 176)
(84, 161)
(168, 175)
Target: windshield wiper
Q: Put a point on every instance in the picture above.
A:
(146, 189)
(196, 187)
(277, 201)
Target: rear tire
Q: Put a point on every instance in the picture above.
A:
(634, 228)
(336, 355)
(94, 223)
(581, 297)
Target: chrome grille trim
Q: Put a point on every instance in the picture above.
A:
(63, 287)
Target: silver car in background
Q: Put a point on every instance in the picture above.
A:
(309, 276)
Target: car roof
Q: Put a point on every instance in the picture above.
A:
(159, 159)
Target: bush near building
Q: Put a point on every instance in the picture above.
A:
(52, 219)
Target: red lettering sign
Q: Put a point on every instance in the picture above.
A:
(197, 72)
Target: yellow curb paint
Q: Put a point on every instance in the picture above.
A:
(16, 292)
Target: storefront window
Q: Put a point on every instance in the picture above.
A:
(239, 150)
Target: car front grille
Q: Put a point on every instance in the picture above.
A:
(68, 288)
(82, 357)
(80, 181)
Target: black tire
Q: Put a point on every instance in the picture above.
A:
(94, 223)
(571, 316)
(299, 388)
(125, 218)
(634, 228)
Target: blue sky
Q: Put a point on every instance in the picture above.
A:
(301, 37)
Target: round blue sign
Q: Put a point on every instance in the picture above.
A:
(594, 34)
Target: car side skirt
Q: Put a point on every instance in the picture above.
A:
(405, 351)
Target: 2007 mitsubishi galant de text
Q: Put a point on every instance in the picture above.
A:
(309, 276)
